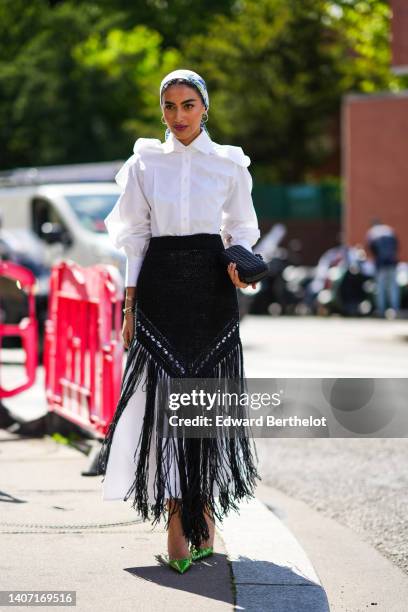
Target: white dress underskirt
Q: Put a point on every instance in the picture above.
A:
(121, 466)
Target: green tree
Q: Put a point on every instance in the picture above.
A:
(175, 20)
(361, 47)
(77, 89)
(79, 80)
(278, 70)
(131, 64)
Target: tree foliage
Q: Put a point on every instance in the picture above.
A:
(79, 80)
(278, 72)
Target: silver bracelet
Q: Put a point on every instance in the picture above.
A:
(128, 309)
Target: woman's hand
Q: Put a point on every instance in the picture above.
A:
(233, 273)
(128, 329)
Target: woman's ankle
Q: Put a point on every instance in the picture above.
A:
(177, 544)
(178, 549)
(207, 543)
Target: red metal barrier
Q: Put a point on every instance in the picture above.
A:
(83, 349)
(27, 328)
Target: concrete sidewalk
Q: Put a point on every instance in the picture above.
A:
(58, 534)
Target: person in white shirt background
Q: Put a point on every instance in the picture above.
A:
(195, 194)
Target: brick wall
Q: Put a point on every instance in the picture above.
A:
(399, 34)
(375, 164)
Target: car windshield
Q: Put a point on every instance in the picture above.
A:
(92, 208)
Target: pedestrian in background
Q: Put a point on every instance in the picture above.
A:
(383, 244)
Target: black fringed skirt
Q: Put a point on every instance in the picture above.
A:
(186, 326)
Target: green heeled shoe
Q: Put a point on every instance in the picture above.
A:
(180, 565)
(201, 553)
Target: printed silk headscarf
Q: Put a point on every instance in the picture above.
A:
(190, 77)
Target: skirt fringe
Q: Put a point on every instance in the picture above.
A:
(202, 465)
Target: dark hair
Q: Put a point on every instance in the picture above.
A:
(181, 81)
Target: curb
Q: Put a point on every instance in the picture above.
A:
(271, 570)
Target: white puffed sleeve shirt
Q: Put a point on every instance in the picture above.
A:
(172, 189)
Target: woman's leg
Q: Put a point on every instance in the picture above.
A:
(177, 544)
(381, 293)
(211, 528)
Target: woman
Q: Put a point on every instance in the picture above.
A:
(183, 201)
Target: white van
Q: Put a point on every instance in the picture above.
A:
(61, 209)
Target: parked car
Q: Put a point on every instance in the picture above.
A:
(56, 213)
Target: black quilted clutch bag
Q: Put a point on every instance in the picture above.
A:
(251, 267)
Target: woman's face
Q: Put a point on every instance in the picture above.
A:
(182, 109)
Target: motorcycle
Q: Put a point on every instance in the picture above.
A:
(344, 283)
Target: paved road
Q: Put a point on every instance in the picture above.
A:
(362, 483)
(324, 347)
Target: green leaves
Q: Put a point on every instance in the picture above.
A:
(79, 81)
(278, 70)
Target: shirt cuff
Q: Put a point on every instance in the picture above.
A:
(243, 243)
(133, 265)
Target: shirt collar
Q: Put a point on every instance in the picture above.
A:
(202, 143)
